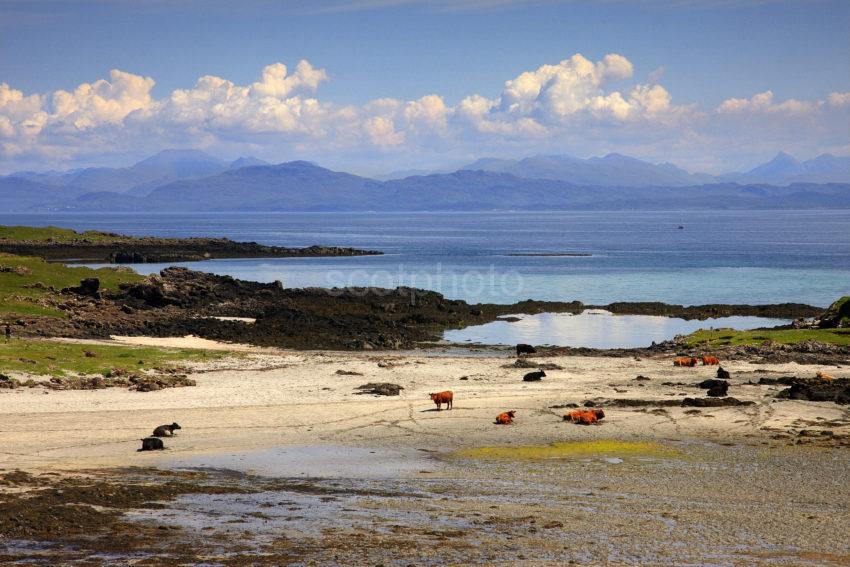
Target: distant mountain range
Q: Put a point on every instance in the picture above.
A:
(141, 178)
(615, 170)
(190, 180)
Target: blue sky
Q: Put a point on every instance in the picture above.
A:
(702, 53)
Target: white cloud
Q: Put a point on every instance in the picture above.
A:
(763, 103)
(839, 99)
(575, 106)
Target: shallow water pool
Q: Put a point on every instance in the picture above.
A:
(596, 329)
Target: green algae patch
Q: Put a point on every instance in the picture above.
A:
(571, 450)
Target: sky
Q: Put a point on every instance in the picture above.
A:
(373, 86)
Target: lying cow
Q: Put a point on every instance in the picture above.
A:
(534, 376)
(152, 444)
(710, 361)
(723, 374)
(443, 398)
(166, 430)
(685, 361)
(505, 418)
(585, 417)
(824, 376)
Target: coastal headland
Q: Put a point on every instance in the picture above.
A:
(56, 244)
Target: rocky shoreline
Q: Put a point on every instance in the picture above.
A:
(119, 249)
(180, 302)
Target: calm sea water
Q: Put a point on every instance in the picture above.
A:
(719, 256)
(595, 329)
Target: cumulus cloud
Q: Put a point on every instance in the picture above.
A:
(575, 106)
(839, 99)
(763, 103)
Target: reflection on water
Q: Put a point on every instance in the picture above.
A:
(596, 329)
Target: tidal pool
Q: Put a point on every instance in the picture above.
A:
(595, 328)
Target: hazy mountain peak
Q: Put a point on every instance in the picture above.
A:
(246, 161)
(175, 156)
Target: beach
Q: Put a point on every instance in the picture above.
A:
(757, 484)
(265, 400)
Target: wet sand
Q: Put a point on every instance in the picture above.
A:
(759, 484)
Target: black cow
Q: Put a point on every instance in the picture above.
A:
(152, 444)
(533, 376)
(522, 349)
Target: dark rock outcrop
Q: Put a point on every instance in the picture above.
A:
(716, 388)
(837, 315)
(816, 390)
(714, 402)
(380, 389)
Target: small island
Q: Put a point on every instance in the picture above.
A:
(63, 244)
(552, 254)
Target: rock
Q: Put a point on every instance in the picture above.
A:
(718, 391)
(722, 374)
(348, 373)
(642, 379)
(716, 388)
(522, 363)
(8, 382)
(837, 315)
(88, 286)
(814, 390)
(714, 402)
(380, 389)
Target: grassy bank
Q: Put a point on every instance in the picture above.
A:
(54, 234)
(25, 283)
(49, 358)
(727, 337)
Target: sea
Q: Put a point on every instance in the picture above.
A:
(598, 257)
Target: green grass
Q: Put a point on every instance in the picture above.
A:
(49, 358)
(19, 273)
(53, 233)
(725, 337)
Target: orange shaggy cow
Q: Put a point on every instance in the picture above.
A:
(710, 360)
(824, 376)
(505, 418)
(585, 417)
(685, 361)
(443, 398)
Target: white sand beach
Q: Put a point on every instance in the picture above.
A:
(265, 398)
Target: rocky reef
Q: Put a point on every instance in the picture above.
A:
(101, 247)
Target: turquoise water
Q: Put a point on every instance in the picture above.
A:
(718, 257)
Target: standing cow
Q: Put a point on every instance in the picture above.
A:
(522, 349)
(443, 398)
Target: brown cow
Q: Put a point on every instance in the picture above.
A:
(824, 376)
(443, 398)
(585, 417)
(710, 360)
(505, 418)
(685, 361)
